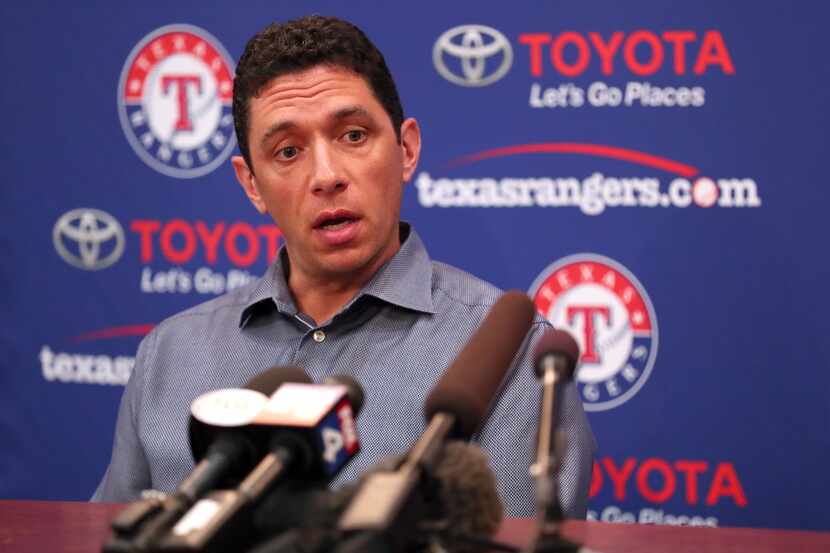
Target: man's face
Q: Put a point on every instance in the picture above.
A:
(328, 168)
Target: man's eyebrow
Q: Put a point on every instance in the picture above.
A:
(350, 111)
(274, 129)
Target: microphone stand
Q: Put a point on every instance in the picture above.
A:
(547, 537)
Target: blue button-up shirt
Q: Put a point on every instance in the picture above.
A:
(396, 337)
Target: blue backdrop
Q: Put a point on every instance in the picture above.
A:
(650, 173)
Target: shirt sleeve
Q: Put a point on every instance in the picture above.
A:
(509, 437)
(128, 472)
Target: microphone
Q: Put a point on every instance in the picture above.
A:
(219, 429)
(555, 358)
(466, 388)
(467, 492)
(389, 503)
(472, 509)
(306, 431)
(223, 447)
(305, 520)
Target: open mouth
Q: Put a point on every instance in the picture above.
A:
(335, 223)
(337, 227)
(335, 220)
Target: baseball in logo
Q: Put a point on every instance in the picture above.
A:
(608, 311)
(174, 101)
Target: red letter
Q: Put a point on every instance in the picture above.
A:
(607, 51)
(669, 481)
(713, 52)
(724, 483)
(210, 239)
(596, 481)
(619, 476)
(237, 258)
(272, 234)
(691, 469)
(649, 67)
(588, 312)
(582, 59)
(535, 41)
(183, 122)
(679, 39)
(145, 228)
(186, 253)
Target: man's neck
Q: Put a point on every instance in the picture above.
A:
(322, 297)
(323, 300)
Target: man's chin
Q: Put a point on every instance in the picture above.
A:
(355, 263)
(346, 268)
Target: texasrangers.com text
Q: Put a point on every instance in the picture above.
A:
(592, 195)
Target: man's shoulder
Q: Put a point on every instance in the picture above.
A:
(455, 288)
(220, 310)
(458, 287)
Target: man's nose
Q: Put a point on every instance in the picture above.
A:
(327, 175)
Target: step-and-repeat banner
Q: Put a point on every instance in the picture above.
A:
(651, 173)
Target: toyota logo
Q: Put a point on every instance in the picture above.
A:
(472, 46)
(88, 239)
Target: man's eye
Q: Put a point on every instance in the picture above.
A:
(287, 153)
(355, 136)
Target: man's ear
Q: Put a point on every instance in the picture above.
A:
(410, 147)
(248, 181)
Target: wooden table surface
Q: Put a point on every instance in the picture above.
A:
(74, 527)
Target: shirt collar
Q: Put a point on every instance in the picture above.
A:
(405, 281)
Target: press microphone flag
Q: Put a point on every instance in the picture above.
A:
(323, 415)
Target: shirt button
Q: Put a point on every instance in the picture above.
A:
(319, 336)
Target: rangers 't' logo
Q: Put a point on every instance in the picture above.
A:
(606, 308)
(174, 101)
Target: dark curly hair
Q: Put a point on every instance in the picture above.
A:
(303, 43)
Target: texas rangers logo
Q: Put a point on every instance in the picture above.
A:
(606, 308)
(174, 101)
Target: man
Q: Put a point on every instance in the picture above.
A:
(326, 152)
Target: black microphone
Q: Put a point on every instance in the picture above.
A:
(221, 450)
(555, 359)
(220, 432)
(388, 504)
(221, 421)
(306, 431)
(472, 511)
